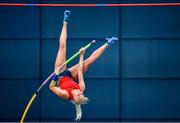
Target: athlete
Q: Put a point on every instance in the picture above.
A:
(68, 83)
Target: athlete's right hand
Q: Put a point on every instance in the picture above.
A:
(82, 51)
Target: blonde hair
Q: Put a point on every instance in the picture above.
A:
(78, 109)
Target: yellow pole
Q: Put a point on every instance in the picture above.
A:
(27, 108)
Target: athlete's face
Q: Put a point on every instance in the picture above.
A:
(78, 97)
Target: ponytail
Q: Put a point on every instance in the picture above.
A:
(78, 109)
(78, 112)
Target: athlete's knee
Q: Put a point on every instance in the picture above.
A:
(62, 42)
(89, 61)
(86, 65)
(62, 45)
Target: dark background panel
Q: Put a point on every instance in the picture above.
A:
(103, 66)
(150, 58)
(104, 99)
(150, 22)
(155, 100)
(19, 22)
(19, 58)
(169, 62)
(15, 95)
(135, 58)
(98, 91)
(86, 22)
(164, 61)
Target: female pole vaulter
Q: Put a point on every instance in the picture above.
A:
(63, 82)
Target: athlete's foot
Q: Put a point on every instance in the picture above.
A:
(111, 41)
(67, 14)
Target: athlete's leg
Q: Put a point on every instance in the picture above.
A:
(61, 55)
(95, 55)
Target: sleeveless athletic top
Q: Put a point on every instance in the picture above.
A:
(68, 84)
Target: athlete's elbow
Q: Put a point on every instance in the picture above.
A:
(82, 87)
(51, 85)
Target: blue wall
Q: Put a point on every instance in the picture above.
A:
(137, 80)
(149, 63)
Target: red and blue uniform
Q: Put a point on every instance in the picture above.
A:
(67, 83)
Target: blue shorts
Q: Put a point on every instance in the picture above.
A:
(66, 73)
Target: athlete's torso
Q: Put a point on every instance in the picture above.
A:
(68, 84)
